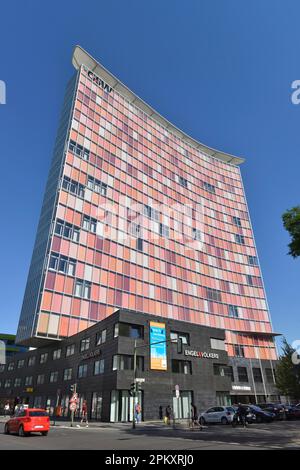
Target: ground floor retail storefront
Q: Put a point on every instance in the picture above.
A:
(188, 366)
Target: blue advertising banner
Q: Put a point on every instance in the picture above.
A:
(158, 352)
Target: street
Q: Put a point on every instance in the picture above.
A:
(155, 436)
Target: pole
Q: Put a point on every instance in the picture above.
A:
(134, 381)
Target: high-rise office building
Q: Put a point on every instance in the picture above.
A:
(140, 216)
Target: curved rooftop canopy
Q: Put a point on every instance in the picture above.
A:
(81, 57)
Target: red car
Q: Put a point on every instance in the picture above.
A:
(27, 421)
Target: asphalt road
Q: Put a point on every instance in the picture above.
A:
(277, 435)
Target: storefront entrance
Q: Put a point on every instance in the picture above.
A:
(122, 405)
(182, 405)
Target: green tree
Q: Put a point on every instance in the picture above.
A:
(288, 373)
(291, 222)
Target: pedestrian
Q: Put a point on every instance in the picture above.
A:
(242, 412)
(137, 411)
(194, 416)
(84, 417)
(168, 414)
(160, 412)
(7, 409)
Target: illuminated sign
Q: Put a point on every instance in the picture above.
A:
(201, 354)
(158, 352)
(99, 81)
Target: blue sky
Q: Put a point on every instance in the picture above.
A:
(221, 71)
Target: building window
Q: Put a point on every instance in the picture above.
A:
(209, 187)
(128, 330)
(28, 381)
(223, 370)
(100, 337)
(239, 239)
(53, 377)
(213, 294)
(250, 281)
(89, 224)
(62, 264)
(2, 367)
(216, 343)
(11, 366)
(236, 221)
(40, 379)
(82, 371)
(125, 362)
(183, 181)
(79, 150)
(257, 375)
(185, 337)
(73, 187)
(31, 361)
(233, 311)
(7, 383)
(196, 234)
(56, 354)
(99, 367)
(242, 374)
(68, 374)
(151, 213)
(139, 244)
(269, 376)
(17, 382)
(164, 230)
(70, 350)
(239, 350)
(21, 363)
(84, 344)
(181, 367)
(82, 289)
(43, 358)
(252, 260)
(66, 230)
(97, 186)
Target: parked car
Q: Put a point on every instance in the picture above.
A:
(277, 409)
(217, 414)
(292, 412)
(261, 416)
(28, 420)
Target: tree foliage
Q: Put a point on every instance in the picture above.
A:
(291, 222)
(288, 373)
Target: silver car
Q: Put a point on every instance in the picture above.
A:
(217, 414)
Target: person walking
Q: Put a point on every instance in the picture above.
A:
(242, 414)
(168, 414)
(138, 410)
(7, 409)
(84, 417)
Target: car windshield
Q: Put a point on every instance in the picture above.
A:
(38, 413)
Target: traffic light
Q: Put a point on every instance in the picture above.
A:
(138, 387)
(132, 389)
(179, 345)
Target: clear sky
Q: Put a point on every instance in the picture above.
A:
(220, 70)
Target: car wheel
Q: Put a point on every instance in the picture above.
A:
(6, 429)
(259, 419)
(224, 420)
(202, 420)
(21, 432)
(44, 433)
